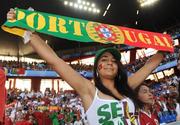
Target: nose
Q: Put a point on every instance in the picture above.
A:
(110, 62)
(150, 94)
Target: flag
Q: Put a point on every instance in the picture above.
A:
(85, 31)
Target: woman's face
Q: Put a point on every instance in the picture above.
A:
(107, 66)
(145, 95)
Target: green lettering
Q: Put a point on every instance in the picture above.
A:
(120, 122)
(106, 115)
(115, 110)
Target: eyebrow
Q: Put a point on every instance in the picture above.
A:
(107, 56)
(104, 56)
(145, 89)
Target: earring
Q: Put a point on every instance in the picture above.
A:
(119, 77)
(97, 74)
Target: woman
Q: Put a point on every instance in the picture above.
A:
(109, 101)
(146, 114)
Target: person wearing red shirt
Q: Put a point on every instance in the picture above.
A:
(2, 96)
(147, 118)
(145, 103)
(8, 121)
(23, 123)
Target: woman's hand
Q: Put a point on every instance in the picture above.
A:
(11, 15)
(164, 53)
(138, 77)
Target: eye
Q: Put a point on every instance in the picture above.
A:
(144, 91)
(104, 59)
(151, 91)
(113, 60)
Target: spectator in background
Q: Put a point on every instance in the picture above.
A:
(178, 105)
(147, 115)
(54, 117)
(177, 72)
(8, 121)
(178, 61)
(78, 121)
(69, 116)
(178, 65)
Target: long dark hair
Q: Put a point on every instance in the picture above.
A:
(121, 82)
(140, 104)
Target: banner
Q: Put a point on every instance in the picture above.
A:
(85, 31)
(49, 108)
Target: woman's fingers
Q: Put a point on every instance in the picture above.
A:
(11, 9)
(11, 15)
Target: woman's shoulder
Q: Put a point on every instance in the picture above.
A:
(178, 105)
(127, 99)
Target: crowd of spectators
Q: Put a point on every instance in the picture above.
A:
(174, 31)
(50, 107)
(15, 67)
(65, 107)
(138, 63)
(166, 98)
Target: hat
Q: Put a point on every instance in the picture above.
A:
(113, 51)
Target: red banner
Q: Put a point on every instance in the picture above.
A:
(140, 38)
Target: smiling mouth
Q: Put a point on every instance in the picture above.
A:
(109, 68)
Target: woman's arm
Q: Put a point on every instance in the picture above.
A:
(75, 80)
(139, 77)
